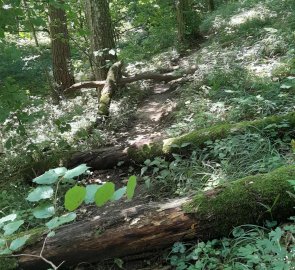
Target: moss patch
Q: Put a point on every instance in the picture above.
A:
(241, 202)
(199, 137)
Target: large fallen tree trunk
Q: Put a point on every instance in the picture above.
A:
(118, 233)
(109, 157)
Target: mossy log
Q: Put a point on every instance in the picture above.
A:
(152, 226)
(105, 96)
(108, 158)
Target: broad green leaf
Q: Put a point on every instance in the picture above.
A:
(131, 185)
(119, 194)
(74, 197)
(6, 251)
(10, 217)
(40, 193)
(90, 193)
(143, 170)
(2, 243)
(18, 242)
(285, 86)
(60, 171)
(185, 145)
(11, 227)
(104, 193)
(57, 221)
(47, 178)
(76, 171)
(45, 210)
(51, 234)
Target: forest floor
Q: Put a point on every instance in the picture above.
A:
(245, 72)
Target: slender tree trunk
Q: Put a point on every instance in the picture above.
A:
(102, 36)
(1, 144)
(211, 5)
(28, 15)
(61, 60)
(187, 21)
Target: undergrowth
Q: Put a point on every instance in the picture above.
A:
(220, 161)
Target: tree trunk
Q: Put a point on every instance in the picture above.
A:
(28, 17)
(151, 226)
(109, 88)
(211, 5)
(157, 77)
(102, 36)
(187, 22)
(109, 157)
(61, 60)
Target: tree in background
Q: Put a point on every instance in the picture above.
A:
(211, 5)
(102, 36)
(187, 21)
(61, 56)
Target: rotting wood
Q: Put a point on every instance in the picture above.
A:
(111, 84)
(153, 226)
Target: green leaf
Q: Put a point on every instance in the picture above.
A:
(6, 251)
(119, 262)
(185, 145)
(2, 243)
(11, 227)
(90, 193)
(10, 217)
(45, 210)
(119, 194)
(51, 234)
(60, 171)
(74, 197)
(143, 170)
(57, 221)
(47, 178)
(40, 193)
(76, 171)
(131, 185)
(18, 242)
(104, 194)
(285, 86)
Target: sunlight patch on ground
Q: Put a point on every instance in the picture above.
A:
(258, 12)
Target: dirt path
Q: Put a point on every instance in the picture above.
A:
(149, 115)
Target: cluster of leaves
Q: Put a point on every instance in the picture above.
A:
(245, 154)
(251, 247)
(46, 202)
(219, 161)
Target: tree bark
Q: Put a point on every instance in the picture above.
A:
(109, 88)
(187, 22)
(211, 5)
(109, 157)
(153, 226)
(102, 36)
(61, 59)
(137, 77)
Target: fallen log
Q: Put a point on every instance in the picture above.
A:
(105, 96)
(109, 157)
(137, 77)
(153, 226)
